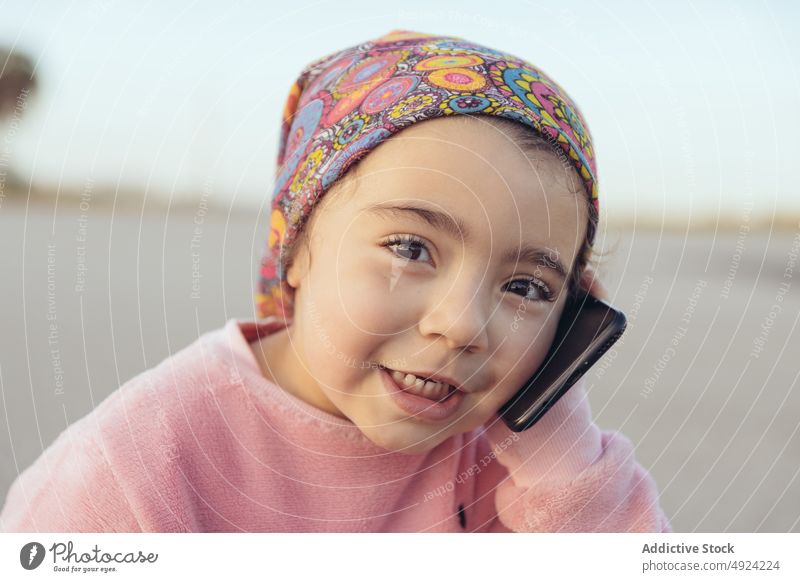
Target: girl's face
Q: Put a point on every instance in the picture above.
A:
(469, 285)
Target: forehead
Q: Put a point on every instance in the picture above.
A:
(475, 172)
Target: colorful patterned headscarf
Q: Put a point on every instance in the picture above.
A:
(343, 105)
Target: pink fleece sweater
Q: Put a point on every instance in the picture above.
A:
(204, 442)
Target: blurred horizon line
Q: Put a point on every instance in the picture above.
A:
(127, 198)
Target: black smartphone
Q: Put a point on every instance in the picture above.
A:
(587, 328)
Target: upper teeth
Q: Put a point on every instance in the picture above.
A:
(429, 388)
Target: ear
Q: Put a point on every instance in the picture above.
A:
(592, 285)
(298, 269)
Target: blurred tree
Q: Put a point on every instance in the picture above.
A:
(16, 77)
(17, 82)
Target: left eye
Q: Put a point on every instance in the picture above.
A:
(526, 286)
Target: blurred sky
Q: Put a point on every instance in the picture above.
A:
(693, 105)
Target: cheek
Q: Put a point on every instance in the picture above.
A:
(522, 354)
(347, 306)
(369, 295)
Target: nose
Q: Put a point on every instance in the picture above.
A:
(459, 315)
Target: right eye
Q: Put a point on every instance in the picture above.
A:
(407, 247)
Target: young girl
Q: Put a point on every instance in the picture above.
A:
(443, 252)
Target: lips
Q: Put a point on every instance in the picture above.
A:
(419, 406)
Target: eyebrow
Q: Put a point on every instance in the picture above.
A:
(457, 229)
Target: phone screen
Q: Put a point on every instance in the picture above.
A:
(587, 328)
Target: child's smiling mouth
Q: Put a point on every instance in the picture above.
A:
(430, 389)
(431, 401)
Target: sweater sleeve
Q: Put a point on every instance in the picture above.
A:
(564, 474)
(70, 488)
